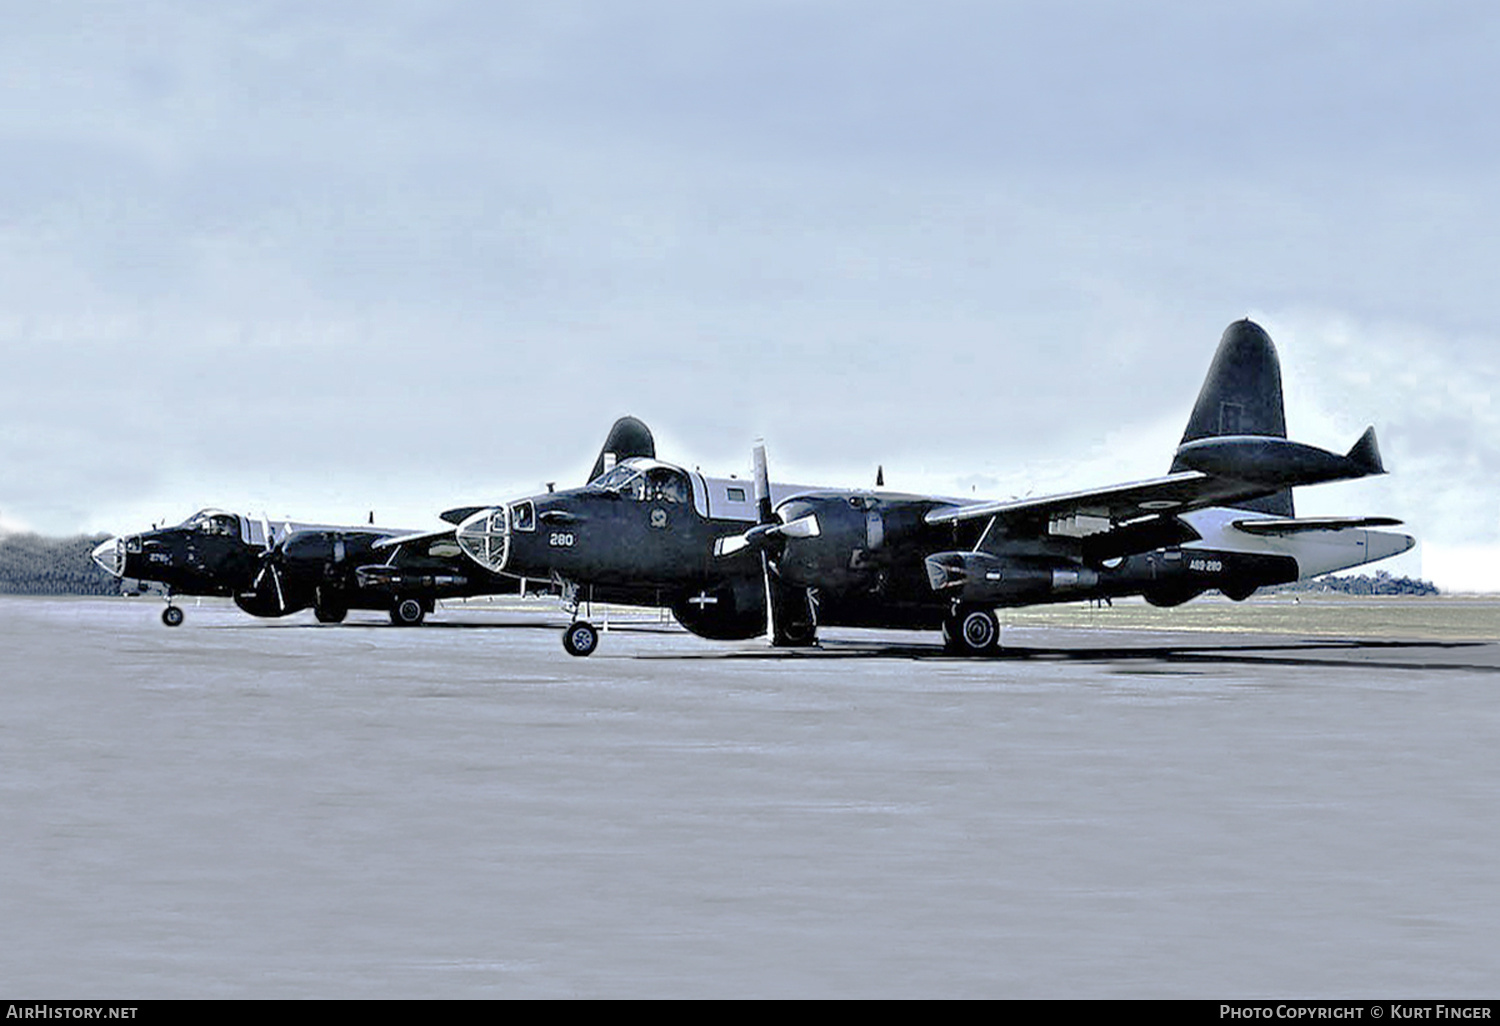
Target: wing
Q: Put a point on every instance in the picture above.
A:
(401, 539)
(1220, 471)
(1119, 504)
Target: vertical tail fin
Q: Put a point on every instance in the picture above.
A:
(1242, 396)
(629, 437)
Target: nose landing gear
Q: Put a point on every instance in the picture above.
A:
(581, 638)
(171, 616)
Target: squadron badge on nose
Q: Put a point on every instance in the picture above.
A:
(658, 518)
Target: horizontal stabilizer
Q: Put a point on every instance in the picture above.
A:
(1282, 526)
(1277, 462)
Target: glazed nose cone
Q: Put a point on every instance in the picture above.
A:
(110, 554)
(485, 538)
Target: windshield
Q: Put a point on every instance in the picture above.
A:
(627, 481)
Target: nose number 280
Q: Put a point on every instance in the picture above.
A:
(560, 539)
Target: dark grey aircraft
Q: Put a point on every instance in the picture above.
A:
(273, 570)
(722, 557)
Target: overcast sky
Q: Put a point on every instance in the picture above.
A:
(318, 259)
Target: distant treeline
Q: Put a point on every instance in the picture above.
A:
(1360, 584)
(33, 565)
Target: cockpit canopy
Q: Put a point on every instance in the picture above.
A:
(646, 480)
(214, 521)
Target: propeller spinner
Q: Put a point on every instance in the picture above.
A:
(770, 530)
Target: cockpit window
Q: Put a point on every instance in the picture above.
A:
(626, 481)
(612, 479)
(664, 484)
(523, 516)
(214, 523)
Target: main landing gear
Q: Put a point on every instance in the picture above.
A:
(972, 631)
(407, 612)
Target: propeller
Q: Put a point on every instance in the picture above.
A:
(768, 537)
(268, 562)
(769, 531)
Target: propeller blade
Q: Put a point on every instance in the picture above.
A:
(728, 546)
(276, 580)
(270, 536)
(765, 573)
(802, 527)
(762, 485)
(755, 538)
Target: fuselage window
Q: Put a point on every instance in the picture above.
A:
(736, 494)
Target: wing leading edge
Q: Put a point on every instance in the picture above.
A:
(1225, 471)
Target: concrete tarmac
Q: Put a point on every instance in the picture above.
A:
(243, 808)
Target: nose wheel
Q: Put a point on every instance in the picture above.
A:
(172, 616)
(581, 638)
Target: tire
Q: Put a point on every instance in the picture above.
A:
(172, 616)
(330, 614)
(972, 632)
(581, 638)
(407, 612)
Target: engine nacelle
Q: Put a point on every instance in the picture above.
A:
(731, 611)
(314, 555)
(985, 579)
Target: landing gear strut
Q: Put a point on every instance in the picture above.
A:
(328, 608)
(972, 631)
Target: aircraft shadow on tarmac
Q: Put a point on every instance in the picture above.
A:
(1317, 652)
(1304, 653)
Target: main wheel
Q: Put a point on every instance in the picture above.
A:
(330, 614)
(581, 638)
(972, 632)
(171, 616)
(407, 612)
